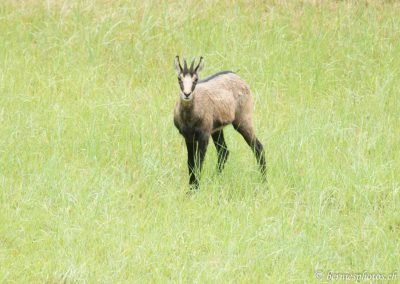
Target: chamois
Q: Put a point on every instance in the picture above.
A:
(204, 107)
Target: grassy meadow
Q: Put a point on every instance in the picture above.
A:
(93, 175)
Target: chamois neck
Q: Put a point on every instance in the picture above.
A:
(186, 105)
(186, 110)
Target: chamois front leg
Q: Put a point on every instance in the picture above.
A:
(196, 148)
(201, 147)
(190, 145)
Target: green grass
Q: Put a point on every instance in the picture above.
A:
(93, 173)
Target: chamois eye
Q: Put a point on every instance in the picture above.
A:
(179, 79)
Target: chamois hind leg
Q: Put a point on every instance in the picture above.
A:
(247, 131)
(222, 149)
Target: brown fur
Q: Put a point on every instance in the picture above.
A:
(221, 101)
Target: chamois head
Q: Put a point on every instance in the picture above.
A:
(188, 77)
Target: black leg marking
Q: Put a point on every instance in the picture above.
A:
(190, 145)
(197, 148)
(222, 149)
(256, 146)
(260, 156)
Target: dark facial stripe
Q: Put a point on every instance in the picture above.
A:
(194, 84)
(180, 83)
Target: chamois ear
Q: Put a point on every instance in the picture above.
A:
(200, 66)
(178, 66)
